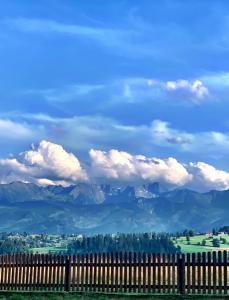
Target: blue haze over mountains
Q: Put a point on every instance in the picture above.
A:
(90, 209)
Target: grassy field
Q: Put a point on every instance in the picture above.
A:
(49, 250)
(42, 296)
(195, 243)
(60, 247)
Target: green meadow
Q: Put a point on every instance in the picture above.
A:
(196, 244)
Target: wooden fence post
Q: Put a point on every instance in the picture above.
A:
(181, 274)
(67, 285)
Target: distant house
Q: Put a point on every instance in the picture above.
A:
(221, 233)
(209, 234)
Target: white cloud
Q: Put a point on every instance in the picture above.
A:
(50, 164)
(207, 177)
(129, 90)
(152, 89)
(13, 170)
(46, 182)
(105, 133)
(163, 134)
(46, 163)
(194, 90)
(14, 130)
(208, 143)
(53, 160)
(122, 166)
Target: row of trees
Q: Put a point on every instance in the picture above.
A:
(146, 242)
(10, 246)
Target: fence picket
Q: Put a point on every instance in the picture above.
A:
(193, 273)
(34, 275)
(163, 273)
(54, 273)
(62, 272)
(49, 272)
(204, 271)
(125, 272)
(139, 269)
(73, 282)
(78, 272)
(198, 272)
(149, 273)
(90, 271)
(144, 272)
(173, 273)
(121, 271)
(159, 272)
(116, 272)
(82, 272)
(135, 272)
(130, 271)
(86, 271)
(1, 272)
(39, 272)
(9, 271)
(95, 272)
(214, 273)
(225, 284)
(220, 271)
(209, 272)
(169, 273)
(103, 272)
(112, 271)
(188, 273)
(13, 269)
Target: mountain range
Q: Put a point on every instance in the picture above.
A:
(92, 208)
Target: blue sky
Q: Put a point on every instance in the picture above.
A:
(145, 77)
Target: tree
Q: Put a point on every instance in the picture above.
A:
(203, 243)
(146, 242)
(191, 233)
(10, 246)
(215, 243)
(214, 231)
(223, 240)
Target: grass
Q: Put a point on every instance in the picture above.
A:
(195, 244)
(54, 249)
(58, 296)
(47, 250)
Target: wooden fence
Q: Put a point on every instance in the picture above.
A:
(201, 273)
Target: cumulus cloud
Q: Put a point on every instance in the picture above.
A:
(194, 90)
(122, 166)
(54, 161)
(48, 163)
(207, 177)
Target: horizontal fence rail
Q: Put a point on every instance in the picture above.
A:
(201, 273)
